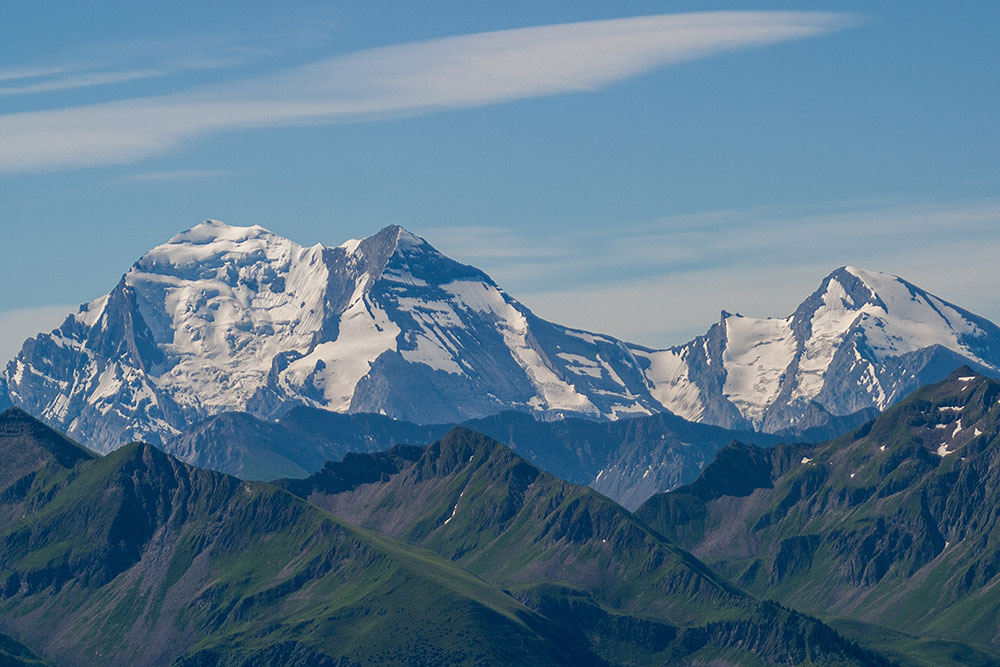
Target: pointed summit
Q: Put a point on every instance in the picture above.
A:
(848, 285)
(414, 261)
(396, 236)
(896, 316)
(862, 340)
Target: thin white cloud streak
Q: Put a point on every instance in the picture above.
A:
(16, 326)
(455, 72)
(34, 72)
(63, 78)
(83, 80)
(148, 58)
(661, 283)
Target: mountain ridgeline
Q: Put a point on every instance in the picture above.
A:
(222, 318)
(627, 460)
(893, 526)
(138, 558)
(567, 552)
(502, 541)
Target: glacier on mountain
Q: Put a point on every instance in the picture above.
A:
(862, 340)
(223, 318)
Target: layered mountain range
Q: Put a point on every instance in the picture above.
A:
(893, 526)
(138, 558)
(628, 460)
(223, 318)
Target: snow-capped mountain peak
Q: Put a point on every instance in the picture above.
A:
(222, 318)
(863, 339)
(211, 231)
(895, 316)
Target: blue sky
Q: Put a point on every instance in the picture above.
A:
(628, 167)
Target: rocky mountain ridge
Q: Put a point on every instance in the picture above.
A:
(894, 524)
(224, 318)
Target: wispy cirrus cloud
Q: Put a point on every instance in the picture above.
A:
(661, 282)
(129, 61)
(34, 71)
(69, 81)
(408, 79)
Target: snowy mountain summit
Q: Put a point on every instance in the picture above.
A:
(224, 318)
(862, 340)
(238, 318)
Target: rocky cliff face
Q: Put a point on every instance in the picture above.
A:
(224, 318)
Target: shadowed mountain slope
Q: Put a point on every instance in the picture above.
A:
(15, 654)
(137, 558)
(896, 524)
(563, 549)
(30, 445)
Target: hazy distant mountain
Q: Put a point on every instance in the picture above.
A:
(894, 525)
(296, 445)
(224, 318)
(628, 460)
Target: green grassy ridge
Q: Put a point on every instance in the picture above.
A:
(212, 570)
(137, 558)
(874, 526)
(474, 501)
(633, 640)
